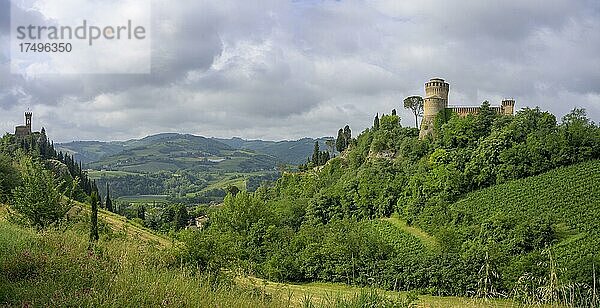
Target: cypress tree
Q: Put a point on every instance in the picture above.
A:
(181, 217)
(94, 219)
(315, 155)
(376, 122)
(324, 158)
(347, 135)
(141, 212)
(340, 141)
(109, 206)
(94, 189)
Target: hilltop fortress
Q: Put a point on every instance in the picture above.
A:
(436, 100)
(23, 131)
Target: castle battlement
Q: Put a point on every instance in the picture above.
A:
(436, 100)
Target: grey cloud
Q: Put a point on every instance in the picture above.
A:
(4, 16)
(276, 69)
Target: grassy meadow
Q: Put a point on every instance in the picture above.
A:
(57, 268)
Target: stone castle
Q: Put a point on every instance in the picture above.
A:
(436, 100)
(24, 130)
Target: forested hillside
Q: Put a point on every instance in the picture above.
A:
(32, 159)
(58, 252)
(323, 224)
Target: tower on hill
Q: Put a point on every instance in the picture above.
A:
(436, 100)
(24, 130)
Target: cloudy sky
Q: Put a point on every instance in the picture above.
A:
(289, 69)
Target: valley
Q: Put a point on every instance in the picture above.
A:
(189, 169)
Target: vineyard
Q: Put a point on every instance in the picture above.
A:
(403, 243)
(570, 194)
(565, 202)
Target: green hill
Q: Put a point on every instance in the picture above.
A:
(290, 152)
(131, 266)
(98, 153)
(489, 206)
(568, 194)
(192, 168)
(89, 151)
(526, 221)
(560, 208)
(93, 151)
(172, 152)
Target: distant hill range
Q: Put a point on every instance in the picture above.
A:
(288, 152)
(172, 151)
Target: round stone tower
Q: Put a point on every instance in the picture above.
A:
(436, 100)
(437, 87)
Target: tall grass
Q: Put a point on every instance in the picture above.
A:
(553, 291)
(55, 268)
(371, 298)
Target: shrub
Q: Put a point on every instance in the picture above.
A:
(9, 177)
(38, 199)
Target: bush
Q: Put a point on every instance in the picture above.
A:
(9, 178)
(38, 199)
